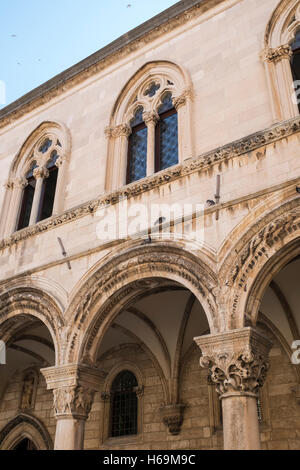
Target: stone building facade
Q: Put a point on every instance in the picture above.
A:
(104, 327)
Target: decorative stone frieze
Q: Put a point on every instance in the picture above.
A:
(237, 360)
(200, 163)
(172, 416)
(277, 54)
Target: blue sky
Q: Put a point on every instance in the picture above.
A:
(41, 38)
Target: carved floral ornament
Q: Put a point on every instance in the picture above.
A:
(73, 401)
(237, 360)
(277, 54)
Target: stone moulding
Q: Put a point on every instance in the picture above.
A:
(200, 163)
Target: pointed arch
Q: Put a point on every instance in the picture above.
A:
(25, 426)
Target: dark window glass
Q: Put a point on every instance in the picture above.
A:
(166, 135)
(124, 405)
(151, 91)
(295, 63)
(137, 149)
(27, 199)
(48, 190)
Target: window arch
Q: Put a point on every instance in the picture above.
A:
(150, 128)
(281, 58)
(124, 405)
(37, 178)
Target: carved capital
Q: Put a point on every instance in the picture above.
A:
(20, 183)
(9, 184)
(150, 117)
(122, 130)
(237, 360)
(40, 172)
(75, 402)
(277, 54)
(182, 99)
(59, 162)
(172, 416)
(73, 387)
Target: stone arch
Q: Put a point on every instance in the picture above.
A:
(45, 129)
(118, 282)
(282, 24)
(266, 246)
(25, 426)
(27, 304)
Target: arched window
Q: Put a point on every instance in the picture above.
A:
(153, 110)
(37, 179)
(137, 148)
(166, 135)
(295, 64)
(124, 405)
(27, 200)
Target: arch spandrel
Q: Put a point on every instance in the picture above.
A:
(121, 279)
(255, 253)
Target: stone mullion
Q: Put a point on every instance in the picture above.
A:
(150, 119)
(119, 136)
(238, 363)
(61, 164)
(40, 174)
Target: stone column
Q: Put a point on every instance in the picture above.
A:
(183, 106)
(61, 164)
(150, 119)
(18, 186)
(73, 388)
(280, 80)
(39, 173)
(238, 363)
(118, 155)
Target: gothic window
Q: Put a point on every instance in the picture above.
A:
(27, 198)
(295, 64)
(166, 135)
(124, 405)
(150, 128)
(137, 148)
(39, 186)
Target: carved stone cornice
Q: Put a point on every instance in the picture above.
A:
(122, 130)
(277, 54)
(172, 416)
(40, 172)
(75, 402)
(237, 360)
(182, 99)
(150, 117)
(200, 163)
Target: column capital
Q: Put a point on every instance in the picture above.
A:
(150, 117)
(9, 184)
(277, 54)
(21, 182)
(40, 172)
(181, 100)
(60, 161)
(237, 360)
(118, 131)
(73, 386)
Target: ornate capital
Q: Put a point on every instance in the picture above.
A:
(75, 402)
(237, 360)
(172, 416)
(9, 184)
(277, 54)
(150, 116)
(118, 131)
(20, 183)
(73, 387)
(182, 99)
(40, 172)
(59, 162)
